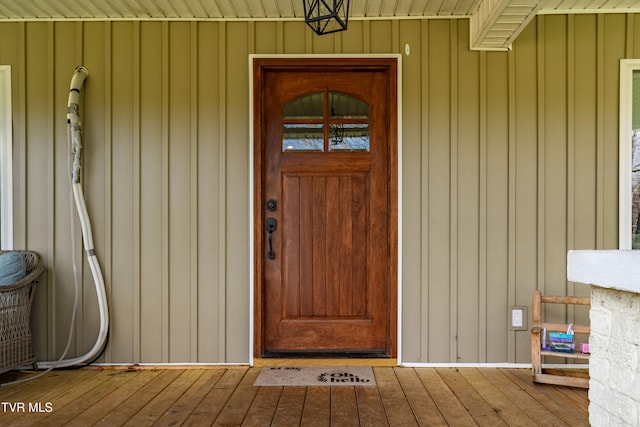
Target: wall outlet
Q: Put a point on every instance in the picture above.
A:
(518, 318)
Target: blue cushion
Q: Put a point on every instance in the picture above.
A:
(12, 268)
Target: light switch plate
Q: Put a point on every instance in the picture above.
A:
(518, 318)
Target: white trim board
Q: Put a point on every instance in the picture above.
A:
(398, 57)
(627, 66)
(495, 365)
(169, 365)
(6, 157)
(504, 365)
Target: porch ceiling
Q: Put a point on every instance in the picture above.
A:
(494, 23)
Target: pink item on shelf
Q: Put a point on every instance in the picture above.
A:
(584, 348)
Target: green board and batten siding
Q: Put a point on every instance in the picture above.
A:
(509, 159)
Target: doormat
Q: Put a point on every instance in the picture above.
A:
(316, 376)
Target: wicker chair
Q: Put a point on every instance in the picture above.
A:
(15, 312)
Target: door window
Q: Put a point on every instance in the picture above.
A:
(326, 121)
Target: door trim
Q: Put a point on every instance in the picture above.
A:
(253, 326)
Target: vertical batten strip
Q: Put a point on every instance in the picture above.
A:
(600, 124)
(628, 52)
(20, 145)
(395, 36)
(251, 37)
(397, 246)
(424, 193)
(20, 173)
(482, 214)
(137, 217)
(194, 187)
(222, 191)
(165, 194)
(571, 140)
(541, 152)
(108, 202)
(279, 36)
(366, 36)
(79, 42)
(453, 197)
(51, 175)
(79, 255)
(308, 42)
(511, 263)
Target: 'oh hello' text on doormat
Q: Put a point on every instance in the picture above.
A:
(316, 376)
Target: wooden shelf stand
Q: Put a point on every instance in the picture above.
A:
(540, 375)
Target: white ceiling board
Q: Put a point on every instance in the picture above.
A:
(485, 14)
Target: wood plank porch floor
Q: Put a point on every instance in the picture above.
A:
(225, 396)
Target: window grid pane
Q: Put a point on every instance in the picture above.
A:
(349, 137)
(303, 137)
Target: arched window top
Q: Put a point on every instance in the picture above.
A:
(345, 106)
(311, 106)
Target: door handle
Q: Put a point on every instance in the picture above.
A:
(271, 226)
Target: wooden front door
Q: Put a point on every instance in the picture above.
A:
(326, 207)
